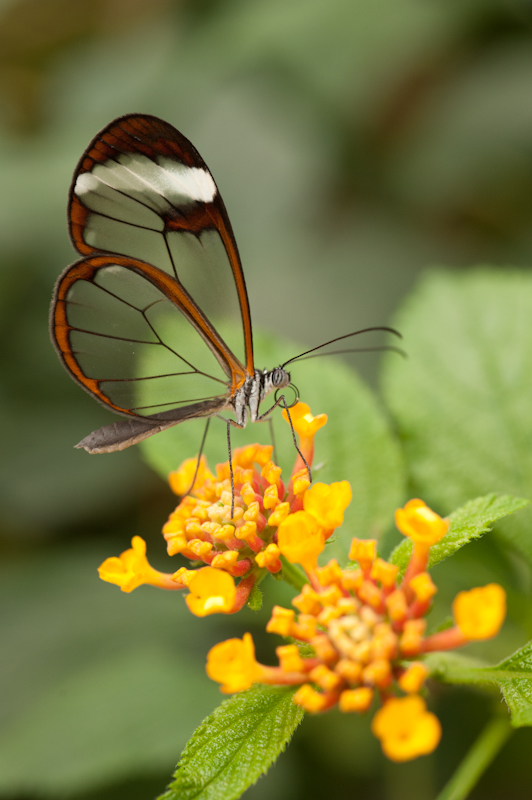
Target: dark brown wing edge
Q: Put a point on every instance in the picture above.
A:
(122, 434)
(144, 133)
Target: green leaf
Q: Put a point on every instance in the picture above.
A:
(462, 399)
(233, 747)
(513, 676)
(356, 443)
(465, 524)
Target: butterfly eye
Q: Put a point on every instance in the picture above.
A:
(279, 377)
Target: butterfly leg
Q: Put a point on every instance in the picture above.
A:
(282, 401)
(202, 445)
(272, 437)
(230, 422)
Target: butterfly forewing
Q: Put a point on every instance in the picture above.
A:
(142, 190)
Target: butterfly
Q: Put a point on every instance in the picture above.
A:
(154, 320)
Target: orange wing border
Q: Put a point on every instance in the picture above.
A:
(86, 269)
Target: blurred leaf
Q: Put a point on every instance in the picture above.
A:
(372, 44)
(116, 716)
(356, 444)
(236, 745)
(465, 524)
(513, 676)
(469, 155)
(462, 400)
(66, 485)
(101, 684)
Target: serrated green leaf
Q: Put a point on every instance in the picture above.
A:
(513, 676)
(235, 745)
(465, 524)
(356, 444)
(462, 399)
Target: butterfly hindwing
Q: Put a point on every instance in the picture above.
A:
(132, 338)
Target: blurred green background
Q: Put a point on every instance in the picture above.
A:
(355, 143)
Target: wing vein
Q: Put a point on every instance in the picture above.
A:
(182, 358)
(177, 402)
(165, 237)
(112, 294)
(122, 221)
(150, 377)
(130, 196)
(110, 336)
(140, 178)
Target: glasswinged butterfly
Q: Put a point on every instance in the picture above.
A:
(135, 320)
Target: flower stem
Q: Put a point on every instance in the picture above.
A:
(449, 639)
(292, 575)
(277, 677)
(243, 591)
(163, 580)
(477, 760)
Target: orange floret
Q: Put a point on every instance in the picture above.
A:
(300, 539)
(480, 612)
(212, 591)
(232, 663)
(406, 729)
(417, 521)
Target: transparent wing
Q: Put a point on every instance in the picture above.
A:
(142, 190)
(131, 336)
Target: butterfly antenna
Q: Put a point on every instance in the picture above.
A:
(339, 339)
(202, 445)
(383, 348)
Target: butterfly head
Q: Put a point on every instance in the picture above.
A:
(273, 380)
(279, 378)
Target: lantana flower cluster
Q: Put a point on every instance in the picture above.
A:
(247, 544)
(356, 635)
(367, 633)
